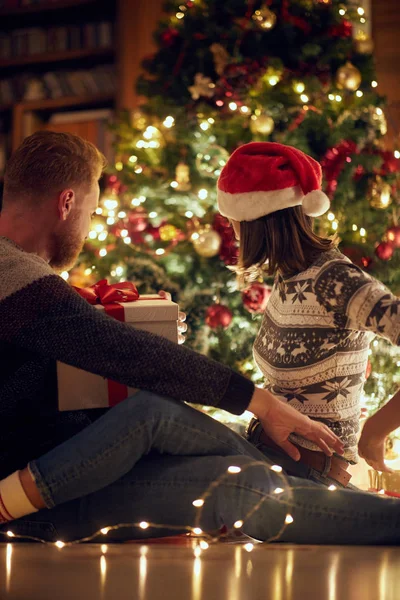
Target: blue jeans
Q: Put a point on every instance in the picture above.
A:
(149, 458)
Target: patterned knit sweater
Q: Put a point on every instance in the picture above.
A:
(43, 320)
(313, 343)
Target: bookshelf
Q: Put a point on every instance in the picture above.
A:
(43, 7)
(50, 57)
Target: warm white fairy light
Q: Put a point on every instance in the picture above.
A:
(122, 214)
(338, 98)
(238, 524)
(153, 214)
(204, 125)
(189, 214)
(363, 232)
(278, 490)
(335, 225)
(331, 96)
(233, 469)
(374, 84)
(124, 232)
(273, 80)
(105, 530)
(194, 236)
(233, 105)
(202, 194)
(65, 275)
(332, 488)
(119, 271)
(198, 503)
(360, 10)
(304, 98)
(289, 519)
(354, 227)
(59, 544)
(135, 202)
(276, 468)
(249, 547)
(110, 204)
(331, 216)
(103, 252)
(138, 170)
(342, 12)
(92, 235)
(88, 271)
(99, 210)
(180, 15)
(397, 153)
(359, 93)
(174, 184)
(381, 492)
(379, 111)
(160, 251)
(127, 240)
(197, 531)
(144, 525)
(102, 236)
(244, 109)
(133, 159)
(119, 166)
(363, 20)
(299, 87)
(110, 221)
(10, 534)
(211, 120)
(169, 122)
(204, 545)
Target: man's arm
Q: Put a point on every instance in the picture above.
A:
(48, 317)
(371, 446)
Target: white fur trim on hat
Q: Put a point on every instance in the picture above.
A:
(249, 206)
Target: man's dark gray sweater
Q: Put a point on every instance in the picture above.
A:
(42, 320)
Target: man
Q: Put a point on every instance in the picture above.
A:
(50, 193)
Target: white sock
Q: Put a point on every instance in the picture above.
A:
(14, 503)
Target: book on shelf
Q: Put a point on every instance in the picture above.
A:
(36, 40)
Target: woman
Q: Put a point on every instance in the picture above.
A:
(323, 311)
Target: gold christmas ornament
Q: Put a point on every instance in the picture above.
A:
(221, 57)
(348, 77)
(206, 241)
(262, 124)
(168, 232)
(380, 194)
(202, 86)
(182, 177)
(264, 17)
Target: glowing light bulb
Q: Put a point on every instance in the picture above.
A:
(204, 545)
(331, 96)
(359, 93)
(276, 468)
(153, 214)
(110, 204)
(363, 233)
(144, 525)
(332, 488)
(273, 80)
(127, 240)
(331, 216)
(299, 87)
(238, 524)
(65, 275)
(244, 109)
(99, 210)
(202, 194)
(304, 98)
(197, 503)
(338, 98)
(342, 12)
(169, 122)
(197, 531)
(278, 490)
(354, 227)
(10, 534)
(59, 544)
(189, 214)
(360, 10)
(92, 235)
(379, 111)
(396, 154)
(232, 105)
(174, 184)
(105, 530)
(374, 84)
(160, 251)
(133, 159)
(233, 469)
(249, 547)
(103, 252)
(204, 126)
(289, 519)
(335, 225)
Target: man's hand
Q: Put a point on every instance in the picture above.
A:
(182, 327)
(279, 420)
(371, 446)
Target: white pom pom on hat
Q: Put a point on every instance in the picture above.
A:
(263, 177)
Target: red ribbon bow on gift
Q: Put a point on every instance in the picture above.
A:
(104, 293)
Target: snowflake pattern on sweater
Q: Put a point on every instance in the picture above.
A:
(312, 347)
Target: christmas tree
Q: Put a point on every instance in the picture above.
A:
(227, 72)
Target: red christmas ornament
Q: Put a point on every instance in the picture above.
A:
(169, 36)
(368, 370)
(393, 236)
(390, 163)
(229, 251)
(384, 251)
(137, 220)
(366, 262)
(343, 30)
(218, 315)
(334, 161)
(256, 297)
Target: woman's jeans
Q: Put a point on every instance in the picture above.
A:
(149, 458)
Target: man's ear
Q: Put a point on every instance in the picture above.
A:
(66, 201)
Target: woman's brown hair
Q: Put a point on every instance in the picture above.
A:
(284, 241)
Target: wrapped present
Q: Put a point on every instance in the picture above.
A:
(79, 389)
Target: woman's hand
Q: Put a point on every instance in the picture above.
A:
(371, 446)
(182, 327)
(279, 420)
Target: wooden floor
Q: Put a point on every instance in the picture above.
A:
(222, 572)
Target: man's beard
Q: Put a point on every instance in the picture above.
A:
(66, 247)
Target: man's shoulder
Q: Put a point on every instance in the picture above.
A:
(19, 269)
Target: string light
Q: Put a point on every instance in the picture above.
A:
(360, 10)
(244, 109)
(359, 93)
(374, 84)
(144, 525)
(233, 469)
(278, 490)
(88, 271)
(304, 98)
(119, 166)
(249, 547)
(204, 126)
(121, 214)
(110, 205)
(331, 97)
(203, 193)
(135, 202)
(65, 275)
(160, 251)
(233, 105)
(169, 122)
(332, 488)
(105, 530)
(289, 519)
(138, 170)
(335, 225)
(354, 227)
(238, 524)
(299, 87)
(276, 468)
(92, 235)
(153, 214)
(189, 214)
(379, 111)
(331, 216)
(197, 531)
(103, 236)
(204, 545)
(338, 98)
(197, 551)
(103, 252)
(396, 154)
(363, 232)
(180, 15)
(174, 184)
(198, 503)
(127, 240)
(59, 544)
(99, 210)
(362, 20)
(10, 534)
(110, 221)
(133, 159)
(342, 12)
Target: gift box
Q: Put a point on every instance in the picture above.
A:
(79, 389)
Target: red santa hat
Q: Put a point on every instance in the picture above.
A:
(263, 177)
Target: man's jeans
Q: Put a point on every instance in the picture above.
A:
(149, 458)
